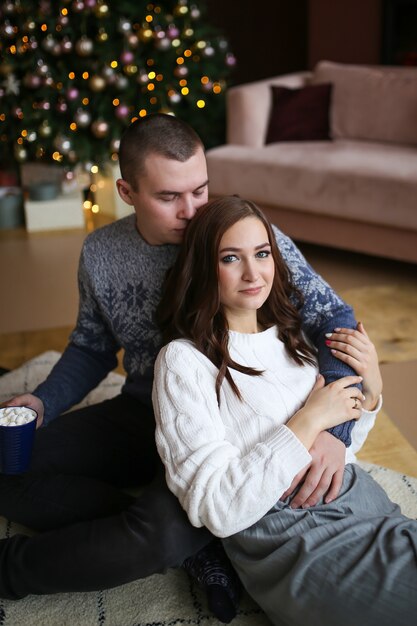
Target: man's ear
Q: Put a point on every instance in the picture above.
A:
(124, 191)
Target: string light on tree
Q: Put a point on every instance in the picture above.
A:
(63, 67)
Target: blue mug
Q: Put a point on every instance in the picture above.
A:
(16, 443)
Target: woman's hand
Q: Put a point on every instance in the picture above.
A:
(354, 348)
(327, 406)
(336, 403)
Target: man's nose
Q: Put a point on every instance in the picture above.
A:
(187, 209)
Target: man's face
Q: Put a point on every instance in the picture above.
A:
(168, 196)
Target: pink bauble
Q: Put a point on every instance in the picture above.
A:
(62, 106)
(121, 111)
(127, 57)
(181, 71)
(173, 32)
(32, 81)
(72, 93)
(78, 6)
(115, 145)
(133, 40)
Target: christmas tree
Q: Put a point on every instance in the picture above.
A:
(75, 73)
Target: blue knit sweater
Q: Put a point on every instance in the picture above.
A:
(120, 280)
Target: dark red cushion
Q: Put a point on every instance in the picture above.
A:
(300, 114)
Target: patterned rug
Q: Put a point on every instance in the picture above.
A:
(160, 600)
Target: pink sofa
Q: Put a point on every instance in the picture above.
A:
(357, 191)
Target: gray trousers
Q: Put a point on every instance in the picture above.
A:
(350, 562)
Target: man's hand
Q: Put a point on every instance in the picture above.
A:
(323, 476)
(29, 400)
(355, 348)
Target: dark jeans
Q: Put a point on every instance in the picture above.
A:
(92, 534)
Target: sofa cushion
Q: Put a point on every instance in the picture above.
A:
(299, 114)
(374, 103)
(368, 182)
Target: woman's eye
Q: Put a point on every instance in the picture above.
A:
(229, 258)
(263, 254)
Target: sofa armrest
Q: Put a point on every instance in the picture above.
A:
(248, 108)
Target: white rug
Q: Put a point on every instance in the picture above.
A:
(160, 600)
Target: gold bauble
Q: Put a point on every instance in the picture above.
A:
(45, 129)
(5, 69)
(130, 70)
(145, 34)
(102, 35)
(20, 153)
(101, 9)
(97, 83)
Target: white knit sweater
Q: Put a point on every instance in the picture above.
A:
(228, 465)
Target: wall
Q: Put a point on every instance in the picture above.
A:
(347, 32)
(268, 38)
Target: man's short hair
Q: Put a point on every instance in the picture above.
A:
(157, 133)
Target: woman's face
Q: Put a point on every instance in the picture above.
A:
(246, 270)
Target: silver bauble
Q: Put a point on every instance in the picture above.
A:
(100, 128)
(66, 45)
(62, 144)
(163, 44)
(48, 43)
(121, 82)
(84, 46)
(115, 145)
(82, 118)
(124, 26)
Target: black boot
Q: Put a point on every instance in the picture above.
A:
(214, 573)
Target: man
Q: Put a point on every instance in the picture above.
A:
(93, 534)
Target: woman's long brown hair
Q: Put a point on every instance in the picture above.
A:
(190, 307)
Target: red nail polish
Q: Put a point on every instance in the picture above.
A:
(327, 342)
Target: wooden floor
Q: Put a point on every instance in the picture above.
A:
(16, 348)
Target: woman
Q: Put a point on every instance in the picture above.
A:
(238, 405)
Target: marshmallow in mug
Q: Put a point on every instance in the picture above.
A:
(16, 416)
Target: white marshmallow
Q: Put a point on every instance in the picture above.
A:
(16, 415)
